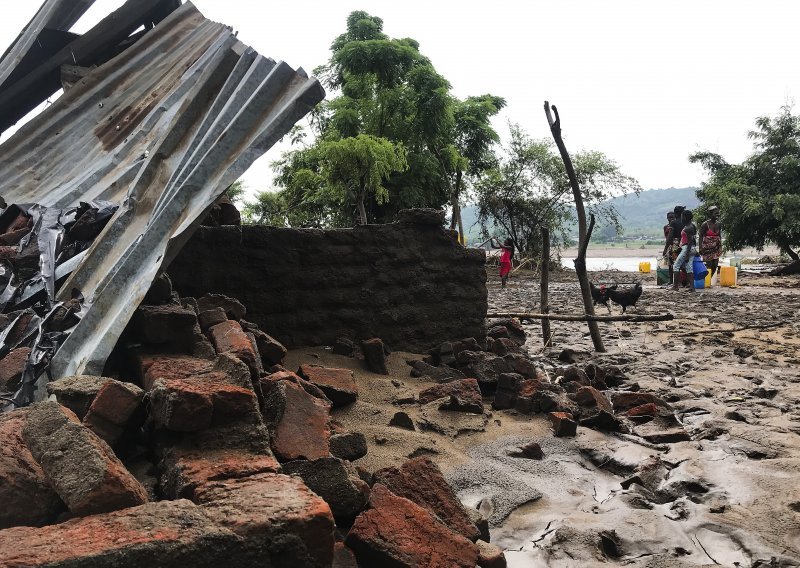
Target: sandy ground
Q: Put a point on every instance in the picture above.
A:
(728, 497)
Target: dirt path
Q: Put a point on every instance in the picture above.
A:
(729, 496)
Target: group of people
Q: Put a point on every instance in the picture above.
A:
(680, 249)
(681, 246)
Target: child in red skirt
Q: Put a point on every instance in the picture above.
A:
(505, 259)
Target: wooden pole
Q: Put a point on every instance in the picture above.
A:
(633, 318)
(545, 284)
(583, 234)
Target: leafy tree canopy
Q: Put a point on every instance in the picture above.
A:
(529, 188)
(392, 106)
(759, 199)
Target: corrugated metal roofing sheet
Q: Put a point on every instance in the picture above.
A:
(162, 129)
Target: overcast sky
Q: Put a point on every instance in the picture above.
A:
(646, 82)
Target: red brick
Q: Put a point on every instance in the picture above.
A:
(465, 389)
(421, 481)
(115, 402)
(339, 385)
(648, 409)
(590, 397)
(278, 517)
(80, 466)
(181, 405)
(77, 392)
(397, 532)
(171, 367)
(234, 309)
(193, 404)
(299, 422)
(228, 337)
(184, 471)
(25, 494)
(271, 350)
(168, 534)
(11, 367)
(490, 556)
(563, 424)
(625, 400)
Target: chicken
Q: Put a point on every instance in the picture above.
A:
(600, 295)
(627, 296)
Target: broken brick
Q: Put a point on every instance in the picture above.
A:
(563, 424)
(229, 337)
(234, 309)
(280, 520)
(375, 355)
(397, 532)
(184, 471)
(339, 385)
(77, 392)
(169, 534)
(11, 368)
(80, 466)
(299, 422)
(421, 481)
(25, 494)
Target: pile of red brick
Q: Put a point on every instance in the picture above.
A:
(205, 450)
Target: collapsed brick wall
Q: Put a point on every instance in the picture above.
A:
(409, 283)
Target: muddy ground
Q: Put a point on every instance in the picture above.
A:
(729, 497)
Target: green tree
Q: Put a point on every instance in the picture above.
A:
(759, 199)
(355, 168)
(475, 139)
(235, 191)
(386, 90)
(529, 188)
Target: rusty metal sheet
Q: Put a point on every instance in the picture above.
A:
(161, 130)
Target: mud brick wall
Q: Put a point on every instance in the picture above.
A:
(409, 283)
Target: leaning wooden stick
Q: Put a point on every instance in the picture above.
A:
(633, 318)
(544, 302)
(584, 233)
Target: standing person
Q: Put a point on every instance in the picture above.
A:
(505, 258)
(672, 240)
(670, 247)
(688, 251)
(711, 240)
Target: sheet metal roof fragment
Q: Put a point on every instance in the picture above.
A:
(161, 129)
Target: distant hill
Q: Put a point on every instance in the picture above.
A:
(646, 214)
(642, 215)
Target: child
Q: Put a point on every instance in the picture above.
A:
(688, 251)
(505, 259)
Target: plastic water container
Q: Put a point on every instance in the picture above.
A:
(644, 267)
(727, 276)
(699, 284)
(662, 276)
(707, 281)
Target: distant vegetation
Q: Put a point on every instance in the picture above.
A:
(759, 199)
(643, 216)
(640, 216)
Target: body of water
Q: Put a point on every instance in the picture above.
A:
(624, 264)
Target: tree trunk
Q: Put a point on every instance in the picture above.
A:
(583, 234)
(362, 212)
(545, 284)
(791, 254)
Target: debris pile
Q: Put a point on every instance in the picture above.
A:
(209, 441)
(591, 396)
(103, 187)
